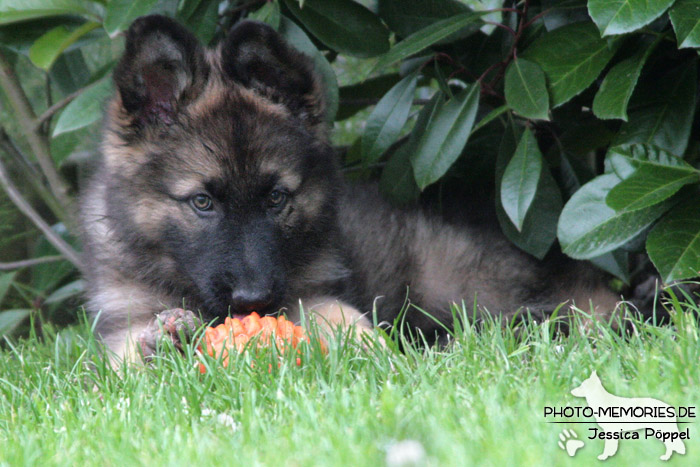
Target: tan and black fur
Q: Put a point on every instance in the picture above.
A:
(243, 124)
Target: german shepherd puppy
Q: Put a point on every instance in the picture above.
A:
(218, 191)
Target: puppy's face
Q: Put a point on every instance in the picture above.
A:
(221, 161)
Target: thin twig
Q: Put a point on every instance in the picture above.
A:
(49, 102)
(513, 53)
(521, 28)
(8, 146)
(463, 71)
(502, 26)
(489, 70)
(37, 140)
(25, 208)
(30, 262)
(51, 111)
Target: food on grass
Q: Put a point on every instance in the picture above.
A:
(235, 333)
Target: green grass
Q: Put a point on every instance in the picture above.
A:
(480, 401)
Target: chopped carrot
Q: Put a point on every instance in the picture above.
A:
(235, 333)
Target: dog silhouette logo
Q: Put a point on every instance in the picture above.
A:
(621, 418)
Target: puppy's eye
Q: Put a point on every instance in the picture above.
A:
(277, 198)
(201, 202)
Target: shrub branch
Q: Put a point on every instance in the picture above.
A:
(16, 197)
(51, 111)
(30, 262)
(37, 139)
(8, 146)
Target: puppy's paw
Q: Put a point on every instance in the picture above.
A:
(175, 324)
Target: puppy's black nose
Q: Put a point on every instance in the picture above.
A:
(248, 300)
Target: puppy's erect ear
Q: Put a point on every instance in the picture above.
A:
(257, 57)
(163, 67)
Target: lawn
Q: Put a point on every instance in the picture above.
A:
(480, 400)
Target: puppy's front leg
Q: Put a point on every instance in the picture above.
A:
(141, 338)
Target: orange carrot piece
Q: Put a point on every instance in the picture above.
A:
(235, 333)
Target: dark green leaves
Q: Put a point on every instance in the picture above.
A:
(44, 52)
(488, 118)
(10, 319)
(85, 109)
(203, 20)
(563, 12)
(269, 13)
(615, 91)
(589, 228)
(539, 227)
(685, 16)
(425, 38)
(651, 175)
(674, 243)
(526, 89)
(21, 10)
(344, 25)
(120, 14)
(616, 263)
(520, 179)
(445, 136)
(398, 182)
(355, 97)
(70, 71)
(408, 16)
(623, 16)
(186, 8)
(661, 113)
(623, 160)
(69, 290)
(614, 208)
(572, 57)
(387, 119)
(650, 184)
(6, 279)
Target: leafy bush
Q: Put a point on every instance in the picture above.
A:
(577, 118)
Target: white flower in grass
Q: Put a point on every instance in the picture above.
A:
(123, 403)
(221, 418)
(405, 453)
